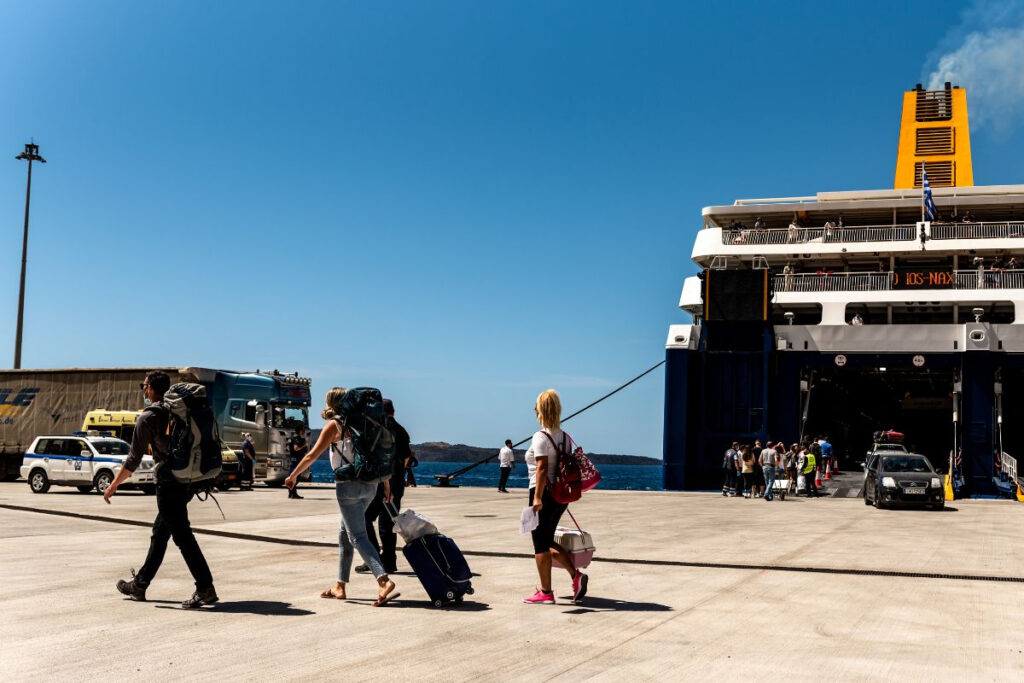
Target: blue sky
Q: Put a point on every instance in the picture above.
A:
(463, 203)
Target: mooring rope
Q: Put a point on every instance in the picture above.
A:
(445, 479)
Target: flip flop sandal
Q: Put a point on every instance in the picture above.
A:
(380, 602)
(328, 595)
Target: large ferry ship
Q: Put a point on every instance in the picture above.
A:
(845, 313)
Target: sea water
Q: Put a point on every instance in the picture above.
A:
(622, 477)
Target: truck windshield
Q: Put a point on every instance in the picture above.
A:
(289, 417)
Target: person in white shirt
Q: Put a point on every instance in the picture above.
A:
(541, 462)
(506, 458)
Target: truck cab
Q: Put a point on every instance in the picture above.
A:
(269, 405)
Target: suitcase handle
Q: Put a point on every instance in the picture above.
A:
(392, 510)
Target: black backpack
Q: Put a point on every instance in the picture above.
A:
(194, 442)
(361, 410)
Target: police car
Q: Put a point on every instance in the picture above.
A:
(86, 462)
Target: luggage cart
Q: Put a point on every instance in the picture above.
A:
(780, 488)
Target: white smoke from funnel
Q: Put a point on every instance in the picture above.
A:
(989, 64)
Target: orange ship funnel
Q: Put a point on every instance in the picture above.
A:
(935, 136)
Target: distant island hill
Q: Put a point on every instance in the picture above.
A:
(439, 451)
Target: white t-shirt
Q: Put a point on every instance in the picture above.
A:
(342, 448)
(541, 447)
(506, 457)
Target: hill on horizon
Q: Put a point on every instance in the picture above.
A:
(441, 451)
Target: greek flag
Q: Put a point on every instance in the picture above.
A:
(930, 213)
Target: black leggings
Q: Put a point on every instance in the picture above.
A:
(547, 519)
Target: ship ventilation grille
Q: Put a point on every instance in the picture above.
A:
(940, 173)
(934, 105)
(931, 141)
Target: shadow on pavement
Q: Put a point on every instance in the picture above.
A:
(467, 606)
(263, 607)
(592, 604)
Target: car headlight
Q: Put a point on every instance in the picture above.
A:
(936, 483)
(274, 463)
(888, 482)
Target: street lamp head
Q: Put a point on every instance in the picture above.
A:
(31, 153)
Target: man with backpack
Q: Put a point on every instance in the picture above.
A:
(172, 497)
(376, 511)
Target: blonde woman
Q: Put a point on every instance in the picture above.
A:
(542, 462)
(353, 498)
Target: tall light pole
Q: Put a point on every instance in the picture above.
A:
(30, 154)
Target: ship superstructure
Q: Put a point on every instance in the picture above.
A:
(847, 312)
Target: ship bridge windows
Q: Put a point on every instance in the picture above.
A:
(929, 312)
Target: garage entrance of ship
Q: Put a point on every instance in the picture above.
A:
(850, 403)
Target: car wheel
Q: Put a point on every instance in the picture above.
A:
(102, 481)
(38, 481)
(84, 489)
(867, 501)
(223, 485)
(878, 500)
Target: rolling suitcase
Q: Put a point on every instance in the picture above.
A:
(439, 565)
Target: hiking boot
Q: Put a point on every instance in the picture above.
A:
(200, 598)
(363, 569)
(540, 598)
(579, 585)
(132, 589)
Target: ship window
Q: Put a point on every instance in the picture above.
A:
(934, 141)
(999, 312)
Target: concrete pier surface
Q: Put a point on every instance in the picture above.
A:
(684, 586)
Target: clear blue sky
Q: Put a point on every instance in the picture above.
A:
(463, 203)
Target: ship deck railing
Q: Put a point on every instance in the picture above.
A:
(870, 233)
(975, 278)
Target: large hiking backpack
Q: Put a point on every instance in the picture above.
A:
(362, 411)
(194, 442)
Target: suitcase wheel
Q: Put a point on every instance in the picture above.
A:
(469, 590)
(450, 595)
(438, 603)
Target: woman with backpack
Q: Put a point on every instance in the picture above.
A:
(542, 465)
(353, 498)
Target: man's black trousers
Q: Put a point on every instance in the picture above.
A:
(375, 511)
(172, 522)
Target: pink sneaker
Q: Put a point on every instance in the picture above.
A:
(579, 586)
(540, 598)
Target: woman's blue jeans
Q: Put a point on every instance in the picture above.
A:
(353, 499)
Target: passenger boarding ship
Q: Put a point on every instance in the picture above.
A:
(844, 313)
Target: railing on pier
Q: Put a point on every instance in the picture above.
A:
(1008, 464)
(870, 233)
(885, 281)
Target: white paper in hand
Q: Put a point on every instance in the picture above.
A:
(528, 520)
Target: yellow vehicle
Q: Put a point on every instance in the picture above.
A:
(121, 424)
